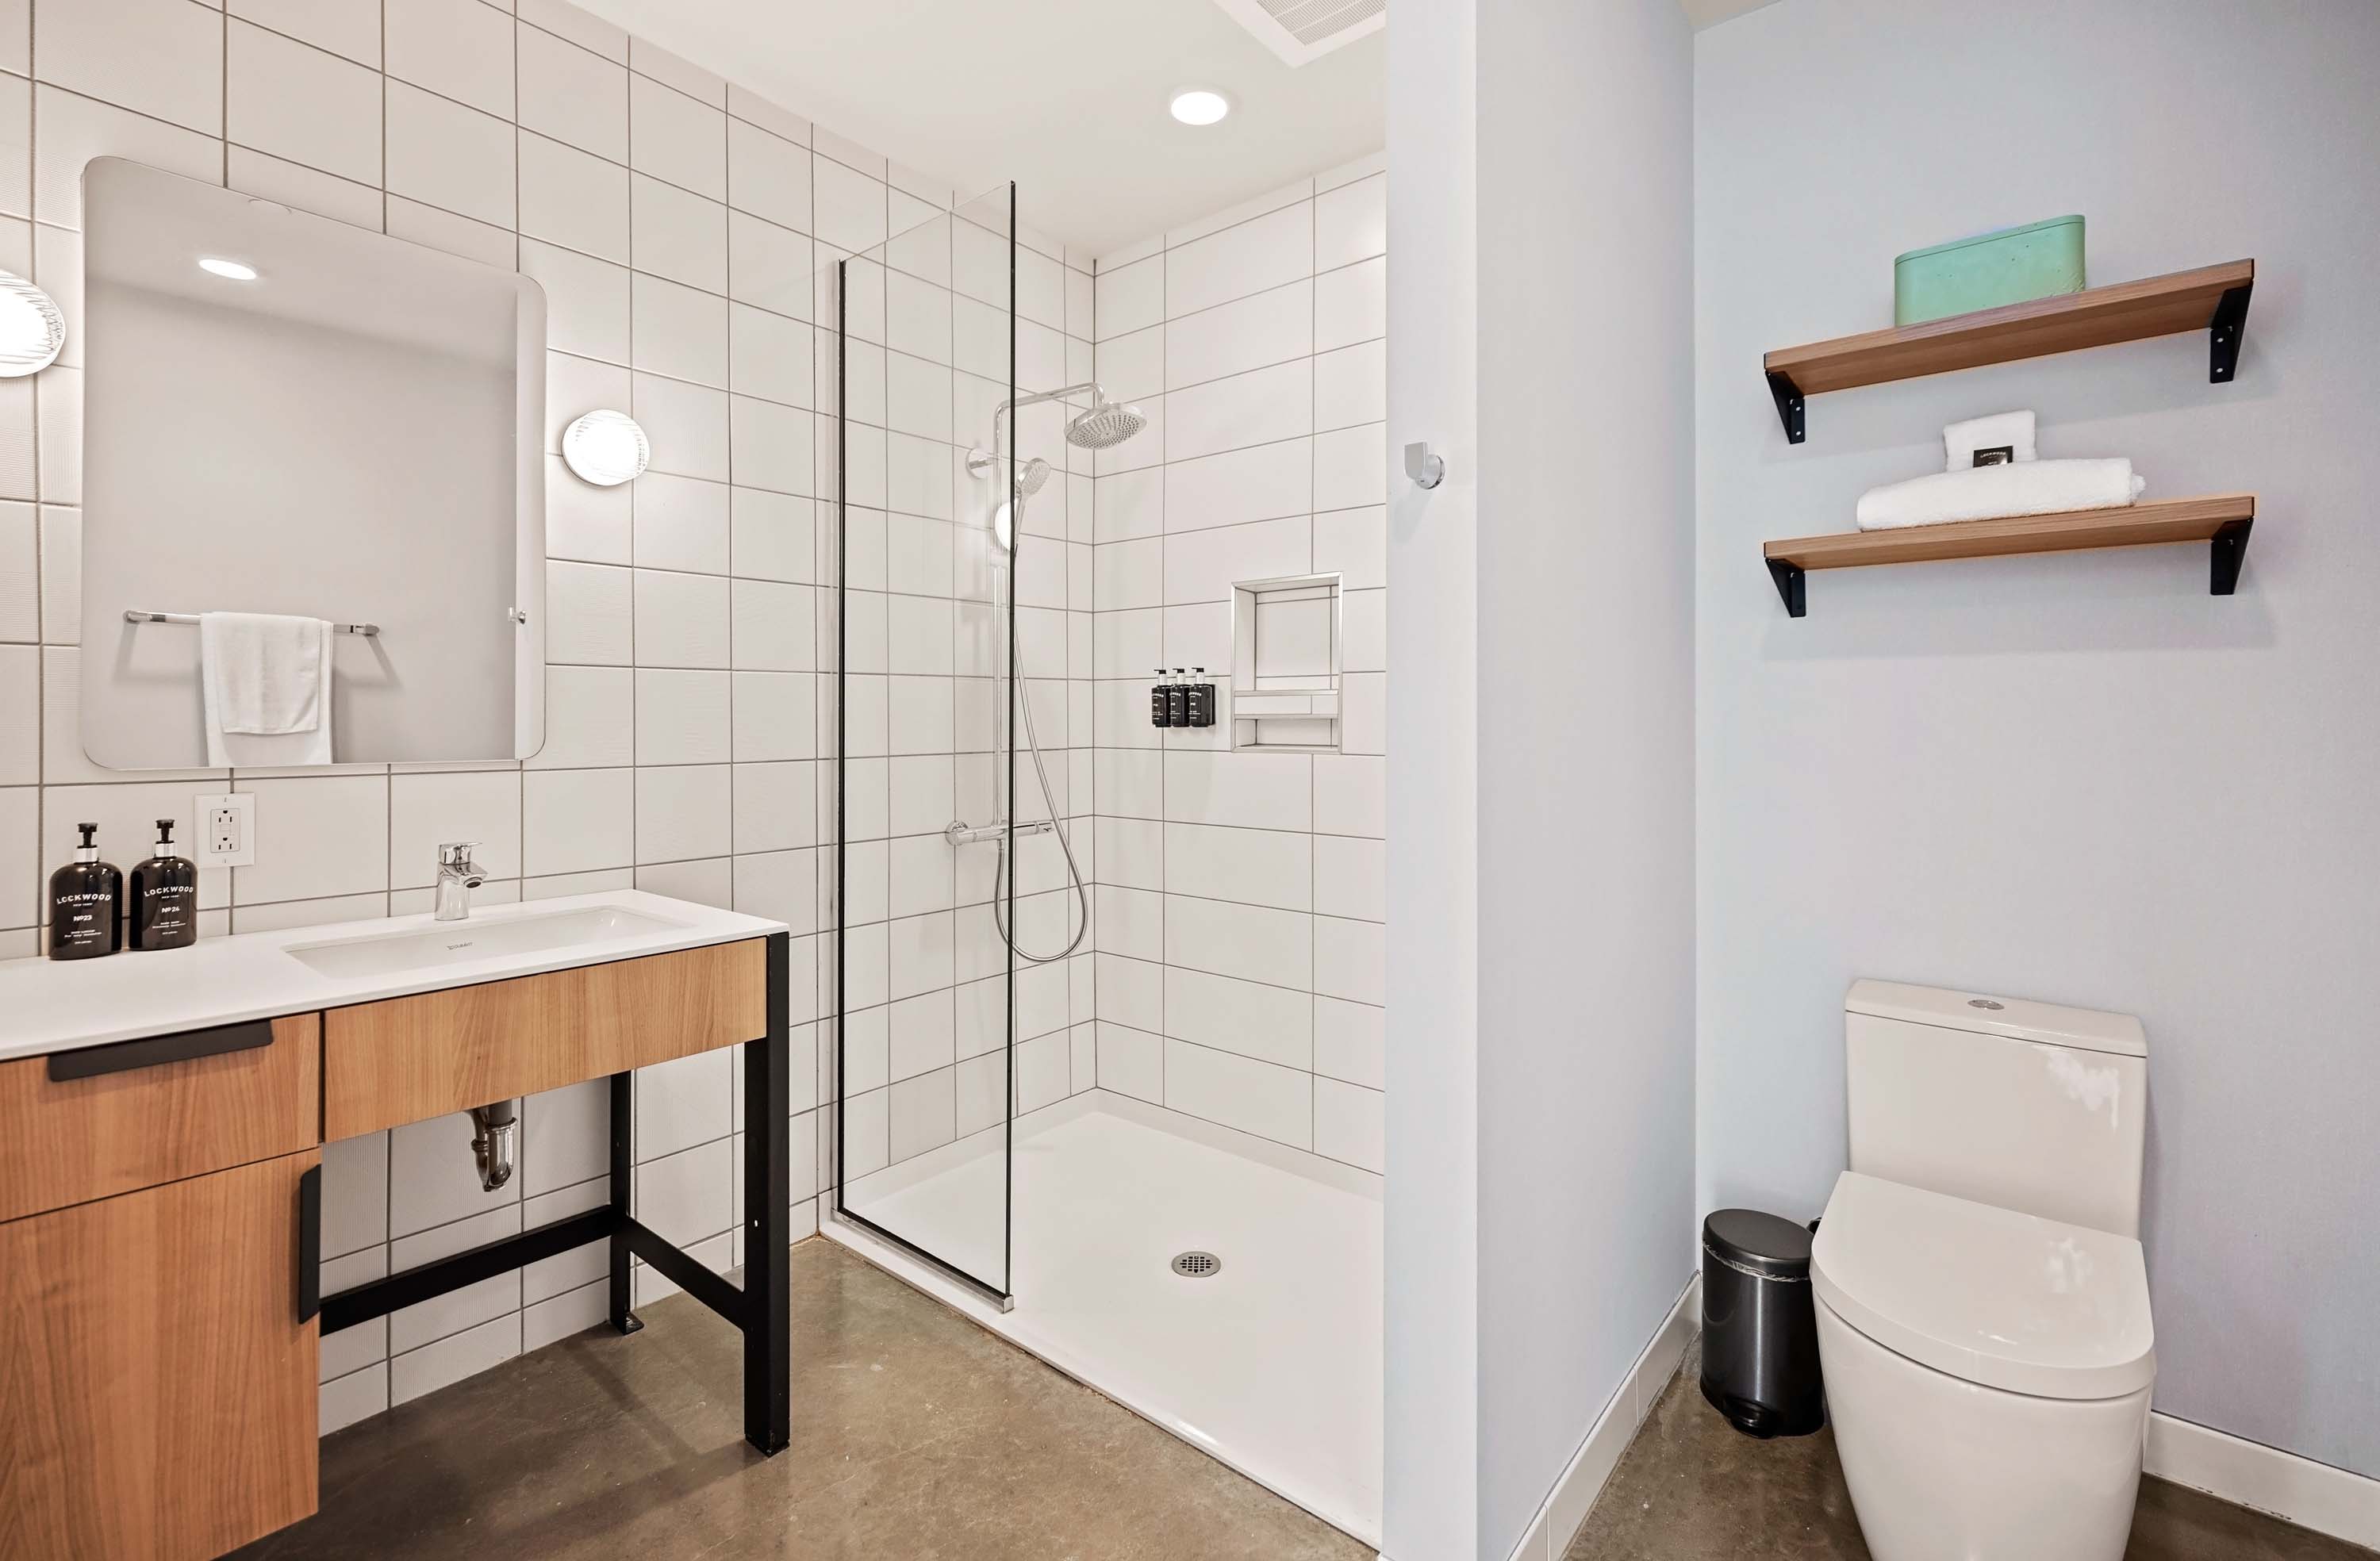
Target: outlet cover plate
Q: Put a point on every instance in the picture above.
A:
(226, 836)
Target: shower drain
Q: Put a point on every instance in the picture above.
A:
(1197, 1266)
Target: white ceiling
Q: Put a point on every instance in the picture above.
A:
(1066, 97)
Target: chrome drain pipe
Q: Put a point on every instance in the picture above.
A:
(495, 1140)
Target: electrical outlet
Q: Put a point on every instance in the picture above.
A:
(227, 833)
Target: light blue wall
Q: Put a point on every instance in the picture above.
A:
(1584, 713)
(2079, 778)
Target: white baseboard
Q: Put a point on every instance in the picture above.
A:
(1564, 1511)
(2298, 1490)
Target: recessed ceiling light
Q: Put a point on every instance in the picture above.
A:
(1199, 105)
(232, 269)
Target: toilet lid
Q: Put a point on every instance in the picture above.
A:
(1987, 1295)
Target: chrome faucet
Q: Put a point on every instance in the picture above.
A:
(457, 876)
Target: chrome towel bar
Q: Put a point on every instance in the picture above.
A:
(135, 615)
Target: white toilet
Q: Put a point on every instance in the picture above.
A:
(1982, 1310)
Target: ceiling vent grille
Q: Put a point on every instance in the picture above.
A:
(1299, 31)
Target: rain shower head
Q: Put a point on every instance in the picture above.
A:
(1105, 426)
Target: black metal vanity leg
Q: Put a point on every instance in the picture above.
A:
(767, 1321)
(623, 1181)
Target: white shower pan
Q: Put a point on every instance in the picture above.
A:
(1271, 1364)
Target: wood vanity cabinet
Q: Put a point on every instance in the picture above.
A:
(157, 1390)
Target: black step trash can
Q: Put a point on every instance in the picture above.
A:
(1760, 1325)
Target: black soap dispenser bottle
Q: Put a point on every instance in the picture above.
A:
(1158, 714)
(164, 897)
(84, 896)
(1177, 698)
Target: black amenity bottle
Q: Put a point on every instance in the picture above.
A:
(84, 895)
(1158, 714)
(1177, 698)
(163, 895)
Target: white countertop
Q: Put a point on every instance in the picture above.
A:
(56, 1005)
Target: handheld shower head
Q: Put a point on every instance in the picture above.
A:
(1105, 426)
(1031, 476)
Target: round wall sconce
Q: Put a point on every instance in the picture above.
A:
(32, 329)
(606, 448)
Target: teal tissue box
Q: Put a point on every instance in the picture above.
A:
(2038, 260)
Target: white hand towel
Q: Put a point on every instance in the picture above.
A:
(267, 688)
(1993, 492)
(2011, 431)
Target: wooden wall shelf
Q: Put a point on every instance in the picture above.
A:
(2223, 521)
(2212, 298)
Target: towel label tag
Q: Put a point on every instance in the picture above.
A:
(1995, 455)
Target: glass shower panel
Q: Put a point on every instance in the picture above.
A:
(921, 989)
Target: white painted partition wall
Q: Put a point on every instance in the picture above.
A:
(1540, 1011)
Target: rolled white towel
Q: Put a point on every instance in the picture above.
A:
(2011, 431)
(1992, 492)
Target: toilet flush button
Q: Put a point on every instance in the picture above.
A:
(1986, 1002)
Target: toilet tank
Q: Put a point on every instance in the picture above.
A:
(2021, 1105)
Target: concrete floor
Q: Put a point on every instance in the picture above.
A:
(919, 1435)
(1690, 1488)
(915, 1434)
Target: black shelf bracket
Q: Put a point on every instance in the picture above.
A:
(1788, 403)
(1789, 585)
(2224, 333)
(2229, 549)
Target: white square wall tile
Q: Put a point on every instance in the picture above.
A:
(1267, 252)
(162, 58)
(688, 1196)
(1348, 1124)
(686, 425)
(1132, 1062)
(1350, 304)
(316, 836)
(459, 49)
(682, 717)
(446, 155)
(344, 27)
(578, 820)
(1238, 1092)
(677, 233)
(682, 813)
(572, 94)
(590, 719)
(591, 614)
(573, 199)
(682, 524)
(1350, 960)
(586, 302)
(681, 618)
(1251, 942)
(1350, 223)
(302, 104)
(680, 330)
(427, 811)
(678, 138)
(1253, 408)
(1350, 1042)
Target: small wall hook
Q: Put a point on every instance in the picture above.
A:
(1426, 469)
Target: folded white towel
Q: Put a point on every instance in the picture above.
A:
(2011, 431)
(1991, 492)
(267, 688)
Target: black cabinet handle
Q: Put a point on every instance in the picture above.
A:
(310, 1244)
(152, 1051)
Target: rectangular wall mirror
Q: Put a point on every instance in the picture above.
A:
(286, 415)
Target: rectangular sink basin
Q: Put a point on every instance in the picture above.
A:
(463, 942)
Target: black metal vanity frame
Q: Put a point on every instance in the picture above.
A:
(759, 1308)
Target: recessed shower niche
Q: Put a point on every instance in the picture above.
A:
(1285, 664)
